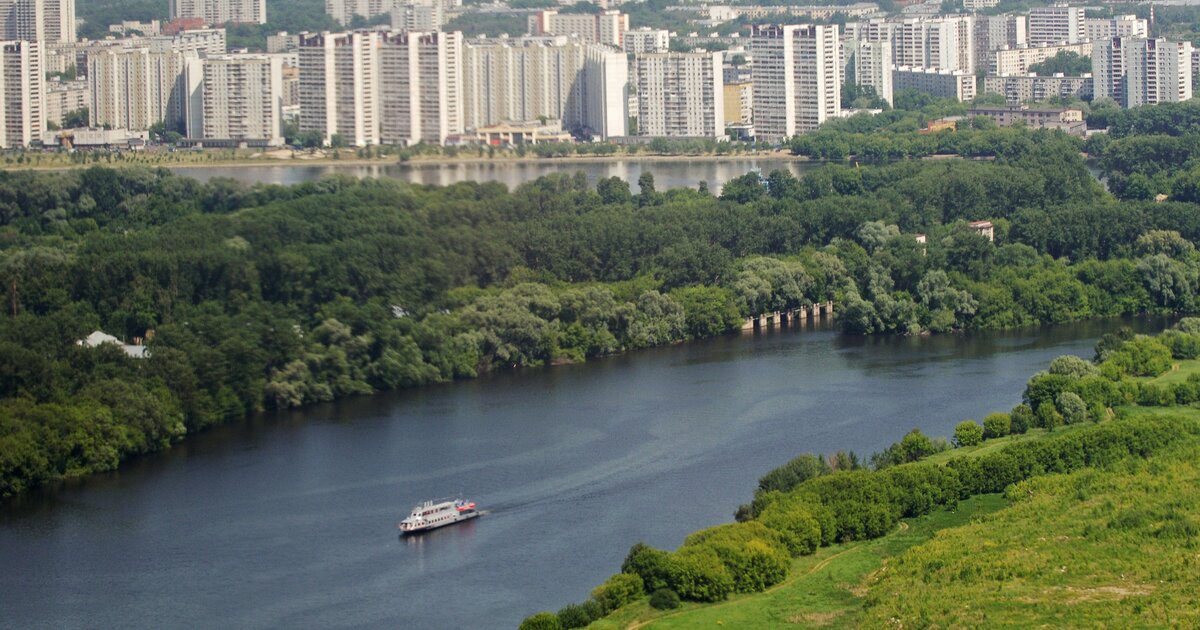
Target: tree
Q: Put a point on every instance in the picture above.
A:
(968, 433)
(793, 473)
(996, 425)
(646, 184)
(1072, 407)
(541, 621)
(1022, 418)
(613, 190)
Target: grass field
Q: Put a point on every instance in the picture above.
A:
(822, 589)
(1116, 547)
(1179, 372)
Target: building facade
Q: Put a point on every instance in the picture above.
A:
(1018, 60)
(870, 63)
(1018, 89)
(216, 12)
(680, 94)
(64, 97)
(954, 84)
(1136, 71)
(339, 87)
(23, 90)
(647, 40)
(1059, 24)
(606, 27)
(524, 78)
(605, 92)
(797, 78)
(136, 89)
(421, 87)
(1117, 26)
(243, 100)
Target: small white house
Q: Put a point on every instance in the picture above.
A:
(98, 338)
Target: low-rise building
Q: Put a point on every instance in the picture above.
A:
(647, 40)
(1033, 88)
(954, 84)
(1069, 120)
(64, 97)
(1018, 60)
(511, 134)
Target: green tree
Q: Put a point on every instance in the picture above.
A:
(541, 621)
(1072, 407)
(997, 425)
(968, 433)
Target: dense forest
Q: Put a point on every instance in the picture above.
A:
(253, 298)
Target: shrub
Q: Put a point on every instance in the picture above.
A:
(794, 473)
(968, 433)
(541, 621)
(1072, 366)
(800, 528)
(996, 425)
(648, 563)
(755, 555)
(697, 574)
(664, 599)
(576, 616)
(1072, 407)
(1048, 416)
(1022, 419)
(1140, 356)
(617, 591)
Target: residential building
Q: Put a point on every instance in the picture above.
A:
(1058, 24)
(954, 84)
(680, 94)
(979, 5)
(1116, 26)
(1018, 60)
(421, 87)
(870, 65)
(217, 12)
(135, 89)
(22, 86)
(606, 27)
(198, 42)
(418, 17)
(526, 132)
(64, 97)
(291, 86)
(605, 92)
(134, 27)
(339, 86)
(647, 40)
(1137, 71)
(283, 42)
(1069, 120)
(45, 21)
(797, 78)
(523, 78)
(1028, 88)
(993, 32)
(739, 103)
(945, 42)
(243, 100)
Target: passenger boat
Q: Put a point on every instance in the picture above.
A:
(438, 513)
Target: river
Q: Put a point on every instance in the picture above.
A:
(670, 173)
(289, 520)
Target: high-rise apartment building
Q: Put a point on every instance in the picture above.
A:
(418, 17)
(946, 42)
(216, 12)
(23, 87)
(993, 32)
(339, 86)
(421, 83)
(524, 78)
(605, 92)
(243, 100)
(135, 89)
(680, 94)
(65, 97)
(45, 21)
(1018, 60)
(1059, 24)
(1116, 26)
(1031, 88)
(647, 40)
(954, 84)
(1137, 71)
(607, 27)
(870, 64)
(797, 79)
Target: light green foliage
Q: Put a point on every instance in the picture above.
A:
(1072, 407)
(968, 433)
(996, 425)
(541, 621)
(618, 590)
(791, 474)
(1072, 366)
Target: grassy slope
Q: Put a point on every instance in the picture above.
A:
(1179, 373)
(1050, 559)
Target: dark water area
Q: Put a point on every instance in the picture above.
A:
(290, 520)
(681, 173)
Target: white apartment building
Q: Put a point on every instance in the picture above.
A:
(135, 89)
(954, 84)
(46, 21)
(605, 92)
(339, 86)
(22, 84)
(1018, 60)
(607, 27)
(1032, 88)
(198, 42)
(979, 5)
(421, 18)
(217, 12)
(1116, 26)
(524, 78)
(797, 79)
(647, 40)
(680, 94)
(1059, 24)
(1137, 71)
(64, 97)
(283, 42)
(243, 100)
(946, 42)
(421, 87)
(993, 32)
(870, 63)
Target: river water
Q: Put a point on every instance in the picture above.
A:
(673, 173)
(289, 520)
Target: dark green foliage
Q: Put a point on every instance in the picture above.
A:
(791, 474)
(617, 591)
(650, 564)
(1068, 63)
(664, 599)
(541, 621)
(996, 425)
(1022, 419)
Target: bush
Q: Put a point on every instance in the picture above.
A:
(664, 599)
(968, 433)
(800, 528)
(648, 563)
(1048, 416)
(541, 621)
(1072, 408)
(794, 473)
(577, 615)
(1140, 356)
(617, 591)
(1022, 419)
(755, 555)
(996, 425)
(698, 575)
(1072, 366)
